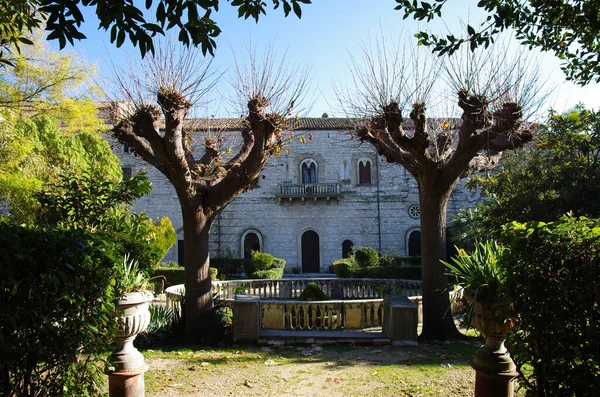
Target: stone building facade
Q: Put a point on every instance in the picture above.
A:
(311, 203)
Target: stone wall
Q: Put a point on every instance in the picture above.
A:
(360, 214)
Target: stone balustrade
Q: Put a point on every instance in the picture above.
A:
(267, 307)
(335, 288)
(335, 315)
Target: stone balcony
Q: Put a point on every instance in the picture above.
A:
(305, 191)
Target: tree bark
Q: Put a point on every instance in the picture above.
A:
(198, 291)
(438, 323)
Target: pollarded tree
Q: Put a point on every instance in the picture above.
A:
(438, 152)
(207, 181)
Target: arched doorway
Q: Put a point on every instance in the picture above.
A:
(251, 243)
(310, 252)
(414, 243)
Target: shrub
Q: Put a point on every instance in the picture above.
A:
(213, 273)
(92, 202)
(366, 257)
(176, 275)
(264, 266)
(172, 275)
(57, 309)
(553, 281)
(312, 292)
(344, 268)
(399, 272)
(399, 261)
(228, 267)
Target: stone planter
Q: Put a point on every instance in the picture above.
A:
(492, 362)
(127, 377)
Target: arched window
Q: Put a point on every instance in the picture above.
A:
(364, 172)
(347, 248)
(308, 170)
(414, 243)
(251, 241)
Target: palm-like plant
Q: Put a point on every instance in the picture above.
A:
(481, 275)
(129, 277)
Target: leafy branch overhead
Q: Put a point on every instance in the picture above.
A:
(570, 29)
(125, 20)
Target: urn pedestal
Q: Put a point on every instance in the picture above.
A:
(495, 369)
(127, 377)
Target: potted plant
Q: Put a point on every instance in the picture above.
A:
(132, 290)
(483, 280)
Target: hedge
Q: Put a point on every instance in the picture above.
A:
(344, 268)
(264, 266)
(399, 272)
(175, 275)
(366, 257)
(399, 260)
(228, 267)
(57, 306)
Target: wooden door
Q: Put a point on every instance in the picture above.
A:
(310, 252)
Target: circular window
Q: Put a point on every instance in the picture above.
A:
(414, 211)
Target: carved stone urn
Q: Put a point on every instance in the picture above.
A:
(126, 379)
(494, 367)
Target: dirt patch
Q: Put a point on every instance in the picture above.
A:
(314, 370)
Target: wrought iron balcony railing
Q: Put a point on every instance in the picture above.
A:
(309, 190)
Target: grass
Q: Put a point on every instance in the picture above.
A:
(314, 370)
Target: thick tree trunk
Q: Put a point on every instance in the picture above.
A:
(198, 290)
(438, 323)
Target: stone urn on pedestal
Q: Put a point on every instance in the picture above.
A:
(495, 369)
(482, 277)
(127, 367)
(126, 378)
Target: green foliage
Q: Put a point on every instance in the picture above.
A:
(264, 266)
(92, 202)
(57, 308)
(89, 200)
(479, 271)
(259, 261)
(344, 268)
(558, 174)
(404, 272)
(570, 29)
(385, 261)
(553, 281)
(468, 226)
(62, 19)
(213, 273)
(399, 267)
(129, 278)
(34, 152)
(228, 266)
(17, 19)
(51, 84)
(162, 319)
(165, 236)
(366, 257)
(312, 292)
(171, 275)
(483, 278)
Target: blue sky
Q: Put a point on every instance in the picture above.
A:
(329, 31)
